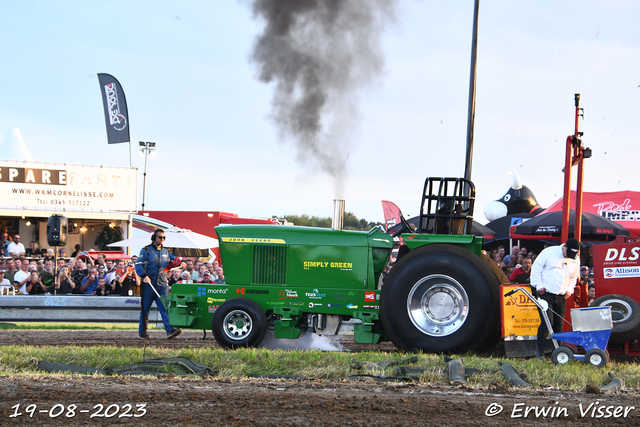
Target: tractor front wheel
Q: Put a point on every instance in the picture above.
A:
(239, 322)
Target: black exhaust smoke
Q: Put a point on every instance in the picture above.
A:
(319, 54)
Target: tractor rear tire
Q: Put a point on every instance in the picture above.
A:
(625, 312)
(440, 298)
(239, 322)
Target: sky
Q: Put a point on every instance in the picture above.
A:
(193, 88)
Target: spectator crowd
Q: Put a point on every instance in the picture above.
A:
(34, 274)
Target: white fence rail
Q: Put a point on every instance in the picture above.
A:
(68, 308)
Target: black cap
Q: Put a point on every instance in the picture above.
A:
(573, 247)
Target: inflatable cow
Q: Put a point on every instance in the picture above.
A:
(517, 199)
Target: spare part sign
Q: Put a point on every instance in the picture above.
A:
(67, 187)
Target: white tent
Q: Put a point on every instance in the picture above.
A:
(14, 148)
(176, 238)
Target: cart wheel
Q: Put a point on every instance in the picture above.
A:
(597, 357)
(562, 355)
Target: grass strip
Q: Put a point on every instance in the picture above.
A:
(73, 326)
(317, 364)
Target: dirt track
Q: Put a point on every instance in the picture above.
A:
(212, 401)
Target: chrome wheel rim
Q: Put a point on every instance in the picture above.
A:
(595, 359)
(619, 306)
(438, 305)
(563, 358)
(237, 325)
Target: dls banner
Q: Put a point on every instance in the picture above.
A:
(64, 187)
(115, 109)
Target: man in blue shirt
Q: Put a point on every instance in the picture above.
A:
(150, 265)
(4, 243)
(90, 283)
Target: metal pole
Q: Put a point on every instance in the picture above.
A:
(578, 151)
(56, 282)
(129, 232)
(472, 93)
(144, 179)
(566, 196)
(571, 156)
(577, 229)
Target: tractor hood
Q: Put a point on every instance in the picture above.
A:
(292, 235)
(317, 257)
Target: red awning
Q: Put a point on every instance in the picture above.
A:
(114, 255)
(237, 221)
(198, 221)
(202, 222)
(622, 207)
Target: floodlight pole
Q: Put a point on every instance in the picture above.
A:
(146, 148)
(144, 178)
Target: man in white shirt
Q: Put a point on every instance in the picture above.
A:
(554, 275)
(21, 278)
(7, 285)
(15, 248)
(111, 274)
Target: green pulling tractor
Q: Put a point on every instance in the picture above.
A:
(442, 295)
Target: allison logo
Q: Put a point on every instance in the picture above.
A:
(621, 272)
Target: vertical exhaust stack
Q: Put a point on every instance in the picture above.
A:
(338, 214)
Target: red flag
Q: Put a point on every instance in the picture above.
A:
(392, 214)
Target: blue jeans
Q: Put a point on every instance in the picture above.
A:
(558, 304)
(148, 299)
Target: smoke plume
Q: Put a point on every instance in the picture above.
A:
(319, 55)
(306, 341)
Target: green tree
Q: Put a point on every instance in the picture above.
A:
(351, 222)
(107, 235)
